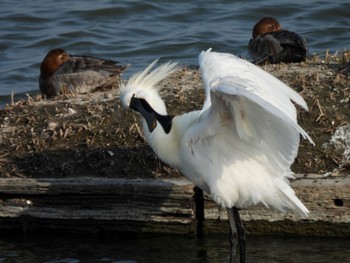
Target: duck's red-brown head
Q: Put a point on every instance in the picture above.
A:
(53, 60)
(266, 25)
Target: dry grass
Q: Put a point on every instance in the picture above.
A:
(92, 135)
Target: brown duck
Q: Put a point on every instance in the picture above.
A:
(272, 44)
(61, 73)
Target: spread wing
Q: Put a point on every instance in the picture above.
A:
(249, 126)
(250, 96)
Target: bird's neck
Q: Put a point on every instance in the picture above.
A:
(166, 146)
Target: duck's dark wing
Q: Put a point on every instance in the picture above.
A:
(78, 64)
(82, 74)
(294, 47)
(275, 47)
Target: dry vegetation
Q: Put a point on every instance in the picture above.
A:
(92, 135)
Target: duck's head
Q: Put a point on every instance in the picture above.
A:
(266, 25)
(140, 93)
(53, 60)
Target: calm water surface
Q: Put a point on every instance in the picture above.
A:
(137, 32)
(170, 248)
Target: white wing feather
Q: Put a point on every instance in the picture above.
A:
(229, 74)
(249, 132)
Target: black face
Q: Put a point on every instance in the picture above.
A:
(150, 115)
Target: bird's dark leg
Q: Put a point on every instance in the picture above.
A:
(240, 234)
(237, 234)
(199, 210)
(233, 235)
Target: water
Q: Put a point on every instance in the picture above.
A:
(170, 248)
(137, 32)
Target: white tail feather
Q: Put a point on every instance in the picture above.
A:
(294, 203)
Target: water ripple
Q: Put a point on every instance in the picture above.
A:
(137, 32)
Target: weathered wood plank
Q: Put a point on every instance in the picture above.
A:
(81, 197)
(131, 202)
(165, 205)
(328, 199)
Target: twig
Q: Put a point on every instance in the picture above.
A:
(320, 109)
(137, 127)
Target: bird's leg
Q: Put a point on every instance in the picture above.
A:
(237, 234)
(240, 234)
(199, 210)
(233, 235)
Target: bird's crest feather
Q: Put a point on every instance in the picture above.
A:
(148, 79)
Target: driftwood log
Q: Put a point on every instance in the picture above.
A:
(161, 205)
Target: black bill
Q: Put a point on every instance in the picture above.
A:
(150, 115)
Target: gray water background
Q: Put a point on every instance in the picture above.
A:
(137, 32)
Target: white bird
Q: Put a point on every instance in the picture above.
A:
(239, 147)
